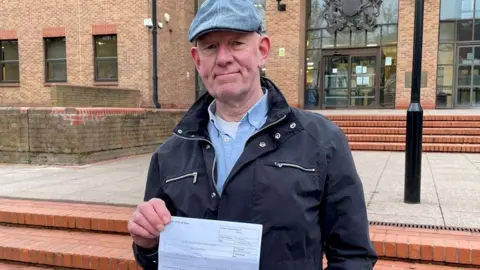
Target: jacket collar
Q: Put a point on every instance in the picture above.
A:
(195, 121)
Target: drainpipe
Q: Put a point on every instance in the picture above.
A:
(154, 37)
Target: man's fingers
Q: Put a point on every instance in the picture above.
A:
(161, 210)
(140, 218)
(137, 230)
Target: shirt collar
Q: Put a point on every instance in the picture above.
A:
(254, 116)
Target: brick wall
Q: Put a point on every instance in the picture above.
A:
(78, 20)
(286, 31)
(84, 96)
(79, 136)
(429, 53)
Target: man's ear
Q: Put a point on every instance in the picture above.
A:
(195, 56)
(264, 49)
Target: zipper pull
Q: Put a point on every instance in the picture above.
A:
(195, 177)
(278, 164)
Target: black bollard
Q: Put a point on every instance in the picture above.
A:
(413, 149)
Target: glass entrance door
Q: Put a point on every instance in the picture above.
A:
(468, 77)
(350, 80)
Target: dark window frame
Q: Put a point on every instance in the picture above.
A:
(2, 62)
(54, 60)
(96, 59)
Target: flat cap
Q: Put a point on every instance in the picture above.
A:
(227, 15)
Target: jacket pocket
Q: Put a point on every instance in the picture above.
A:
(192, 176)
(293, 165)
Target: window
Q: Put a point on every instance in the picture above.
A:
(55, 60)
(9, 66)
(106, 62)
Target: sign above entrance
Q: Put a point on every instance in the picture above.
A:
(355, 15)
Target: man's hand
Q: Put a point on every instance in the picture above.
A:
(148, 220)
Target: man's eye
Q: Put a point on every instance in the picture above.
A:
(236, 43)
(209, 47)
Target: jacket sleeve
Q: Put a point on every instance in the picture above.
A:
(344, 221)
(148, 258)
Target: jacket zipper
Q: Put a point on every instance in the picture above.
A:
(281, 164)
(214, 160)
(194, 174)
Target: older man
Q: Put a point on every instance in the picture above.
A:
(241, 153)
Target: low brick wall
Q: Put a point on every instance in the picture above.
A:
(73, 136)
(94, 96)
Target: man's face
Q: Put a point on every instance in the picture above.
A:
(228, 62)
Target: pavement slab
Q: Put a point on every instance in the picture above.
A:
(449, 187)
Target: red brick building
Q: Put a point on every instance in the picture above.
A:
(106, 44)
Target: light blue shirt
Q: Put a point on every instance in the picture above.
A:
(229, 141)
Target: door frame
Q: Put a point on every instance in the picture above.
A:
(350, 52)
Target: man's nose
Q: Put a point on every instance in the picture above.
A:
(224, 55)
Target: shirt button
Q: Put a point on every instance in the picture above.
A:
(293, 125)
(262, 144)
(214, 195)
(226, 140)
(277, 136)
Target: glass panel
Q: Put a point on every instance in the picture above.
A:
(447, 31)
(314, 39)
(445, 54)
(456, 9)
(107, 69)
(465, 55)
(10, 72)
(387, 97)
(311, 89)
(313, 58)
(464, 75)
(9, 50)
(477, 8)
(315, 18)
(444, 97)
(476, 34)
(464, 30)
(261, 5)
(445, 76)
(389, 34)
(327, 39)
(476, 75)
(358, 39)
(389, 68)
(373, 38)
(362, 81)
(476, 96)
(463, 96)
(55, 48)
(57, 71)
(105, 46)
(343, 38)
(388, 12)
(336, 81)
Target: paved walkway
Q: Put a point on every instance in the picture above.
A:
(450, 185)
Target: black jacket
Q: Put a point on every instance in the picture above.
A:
(296, 176)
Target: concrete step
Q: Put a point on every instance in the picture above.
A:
(426, 147)
(396, 138)
(61, 234)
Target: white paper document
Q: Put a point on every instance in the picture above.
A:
(189, 244)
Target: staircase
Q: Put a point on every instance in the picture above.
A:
(441, 133)
(38, 235)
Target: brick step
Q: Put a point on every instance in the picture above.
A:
(369, 117)
(426, 147)
(80, 216)
(18, 266)
(401, 265)
(402, 124)
(454, 139)
(79, 250)
(400, 131)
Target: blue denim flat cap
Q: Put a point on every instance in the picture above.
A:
(226, 15)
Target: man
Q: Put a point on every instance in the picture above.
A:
(241, 153)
